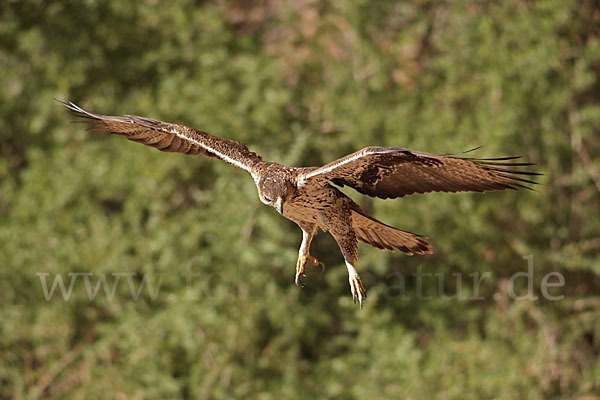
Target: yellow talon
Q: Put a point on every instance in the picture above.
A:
(301, 266)
(316, 262)
(357, 289)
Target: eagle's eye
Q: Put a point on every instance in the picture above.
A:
(268, 199)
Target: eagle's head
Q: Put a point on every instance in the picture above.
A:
(275, 187)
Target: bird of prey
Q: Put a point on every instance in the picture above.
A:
(309, 196)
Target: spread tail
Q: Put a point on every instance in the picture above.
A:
(377, 234)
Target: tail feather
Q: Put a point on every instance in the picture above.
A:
(384, 237)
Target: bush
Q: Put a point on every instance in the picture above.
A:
(302, 83)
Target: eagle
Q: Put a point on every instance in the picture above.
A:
(309, 196)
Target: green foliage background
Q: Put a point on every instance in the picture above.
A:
(302, 83)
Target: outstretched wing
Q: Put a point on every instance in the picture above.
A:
(170, 137)
(388, 172)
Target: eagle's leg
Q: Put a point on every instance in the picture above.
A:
(356, 286)
(349, 247)
(308, 231)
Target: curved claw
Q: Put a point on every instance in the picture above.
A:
(357, 289)
(316, 263)
(301, 267)
(300, 264)
(298, 283)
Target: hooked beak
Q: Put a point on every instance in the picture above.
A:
(279, 205)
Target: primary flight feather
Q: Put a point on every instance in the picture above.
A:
(307, 196)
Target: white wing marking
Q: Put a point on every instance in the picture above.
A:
(211, 150)
(319, 171)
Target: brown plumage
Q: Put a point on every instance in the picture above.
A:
(307, 196)
(388, 172)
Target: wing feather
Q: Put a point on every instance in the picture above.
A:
(169, 137)
(388, 172)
